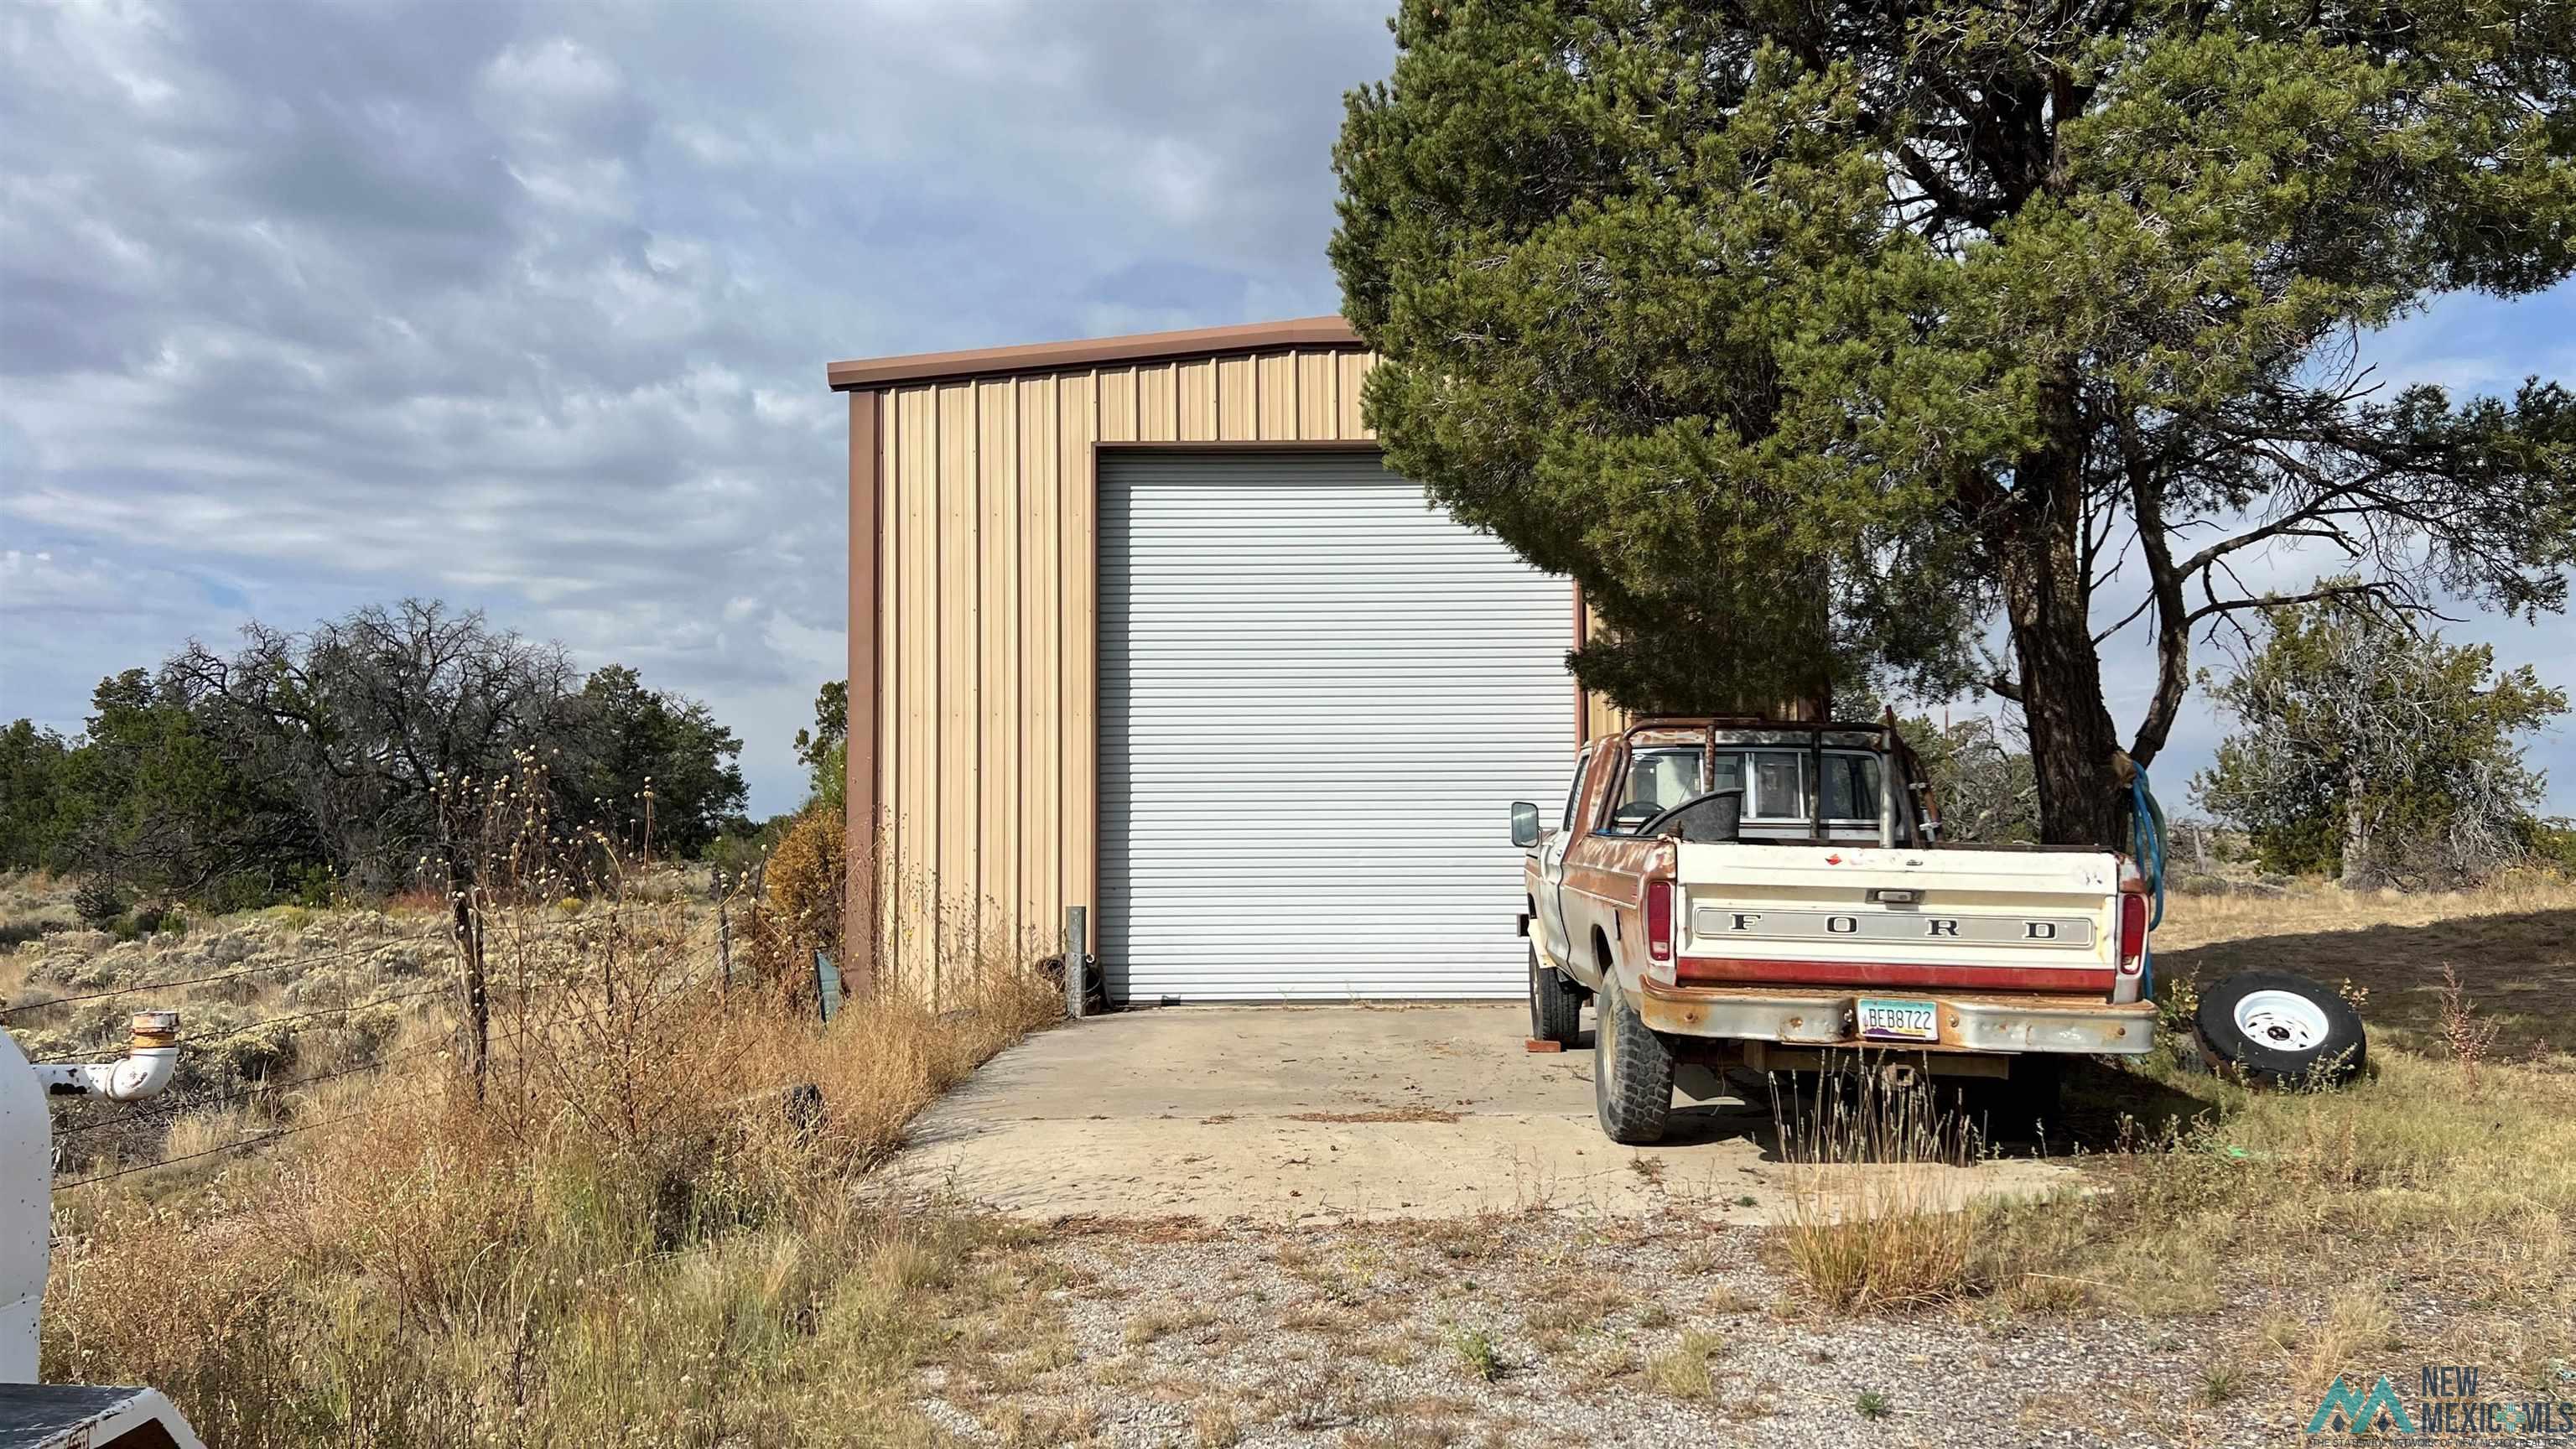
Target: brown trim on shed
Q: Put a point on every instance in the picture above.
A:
(861, 838)
(921, 367)
(1582, 705)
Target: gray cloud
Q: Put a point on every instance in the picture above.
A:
(304, 304)
(309, 304)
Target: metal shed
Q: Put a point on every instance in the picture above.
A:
(1143, 624)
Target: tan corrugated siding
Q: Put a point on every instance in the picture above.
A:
(1319, 414)
(1237, 382)
(1198, 400)
(916, 736)
(1117, 404)
(1042, 764)
(888, 622)
(960, 608)
(1275, 405)
(987, 727)
(1157, 402)
(1078, 635)
(998, 899)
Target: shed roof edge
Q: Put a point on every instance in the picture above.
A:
(921, 367)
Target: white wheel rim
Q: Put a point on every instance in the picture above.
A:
(2281, 1020)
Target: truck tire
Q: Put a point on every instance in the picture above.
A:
(2280, 1029)
(1632, 1072)
(1556, 1004)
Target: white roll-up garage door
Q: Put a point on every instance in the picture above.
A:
(1318, 698)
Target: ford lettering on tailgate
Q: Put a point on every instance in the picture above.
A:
(1810, 925)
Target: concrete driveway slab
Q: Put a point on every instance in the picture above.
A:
(1297, 1114)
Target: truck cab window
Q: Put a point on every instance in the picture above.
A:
(1851, 787)
(1574, 791)
(1655, 781)
(1777, 786)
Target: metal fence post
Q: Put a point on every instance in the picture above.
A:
(1077, 955)
(827, 984)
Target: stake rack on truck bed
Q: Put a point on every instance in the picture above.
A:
(1754, 893)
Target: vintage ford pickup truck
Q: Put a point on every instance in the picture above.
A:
(1745, 893)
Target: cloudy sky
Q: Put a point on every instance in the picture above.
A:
(309, 305)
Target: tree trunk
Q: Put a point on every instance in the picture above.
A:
(2357, 872)
(2072, 741)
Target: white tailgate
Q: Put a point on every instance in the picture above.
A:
(1982, 908)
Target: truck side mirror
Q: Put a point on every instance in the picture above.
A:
(1524, 824)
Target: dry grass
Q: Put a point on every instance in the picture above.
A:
(1158, 1323)
(1215, 1425)
(2416, 1182)
(1683, 1370)
(2359, 1327)
(2512, 942)
(34, 904)
(642, 1230)
(2447, 1172)
(1874, 1217)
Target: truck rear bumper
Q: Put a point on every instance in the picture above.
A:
(1978, 1021)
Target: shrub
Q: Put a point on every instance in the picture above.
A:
(97, 904)
(19, 932)
(799, 911)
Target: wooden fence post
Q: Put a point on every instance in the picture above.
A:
(724, 940)
(478, 999)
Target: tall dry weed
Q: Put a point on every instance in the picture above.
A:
(638, 1225)
(1878, 1214)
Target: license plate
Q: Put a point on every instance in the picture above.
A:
(1883, 1019)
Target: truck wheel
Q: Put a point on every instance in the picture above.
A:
(1632, 1072)
(2279, 1028)
(1556, 1005)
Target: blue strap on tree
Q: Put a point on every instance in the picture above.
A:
(2147, 847)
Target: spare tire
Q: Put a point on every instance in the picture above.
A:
(2281, 1029)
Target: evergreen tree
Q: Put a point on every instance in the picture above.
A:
(825, 749)
(2369, 753)
(32, 763)
(1893, 317)
(616, 739)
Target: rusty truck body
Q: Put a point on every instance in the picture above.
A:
(1767, 895)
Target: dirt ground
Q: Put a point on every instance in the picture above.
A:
(1542, 1328)
(2512, 947)
(1441, 1250)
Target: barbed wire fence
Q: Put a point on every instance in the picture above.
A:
(707, 961)
(501, 859)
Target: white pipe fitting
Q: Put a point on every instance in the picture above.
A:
(26, 1163)
(150, 1057)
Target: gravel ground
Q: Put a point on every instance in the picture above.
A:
(1531, 1327)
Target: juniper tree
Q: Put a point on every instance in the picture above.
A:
(2365, 751)
(1922, 312)
(1980, 781)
